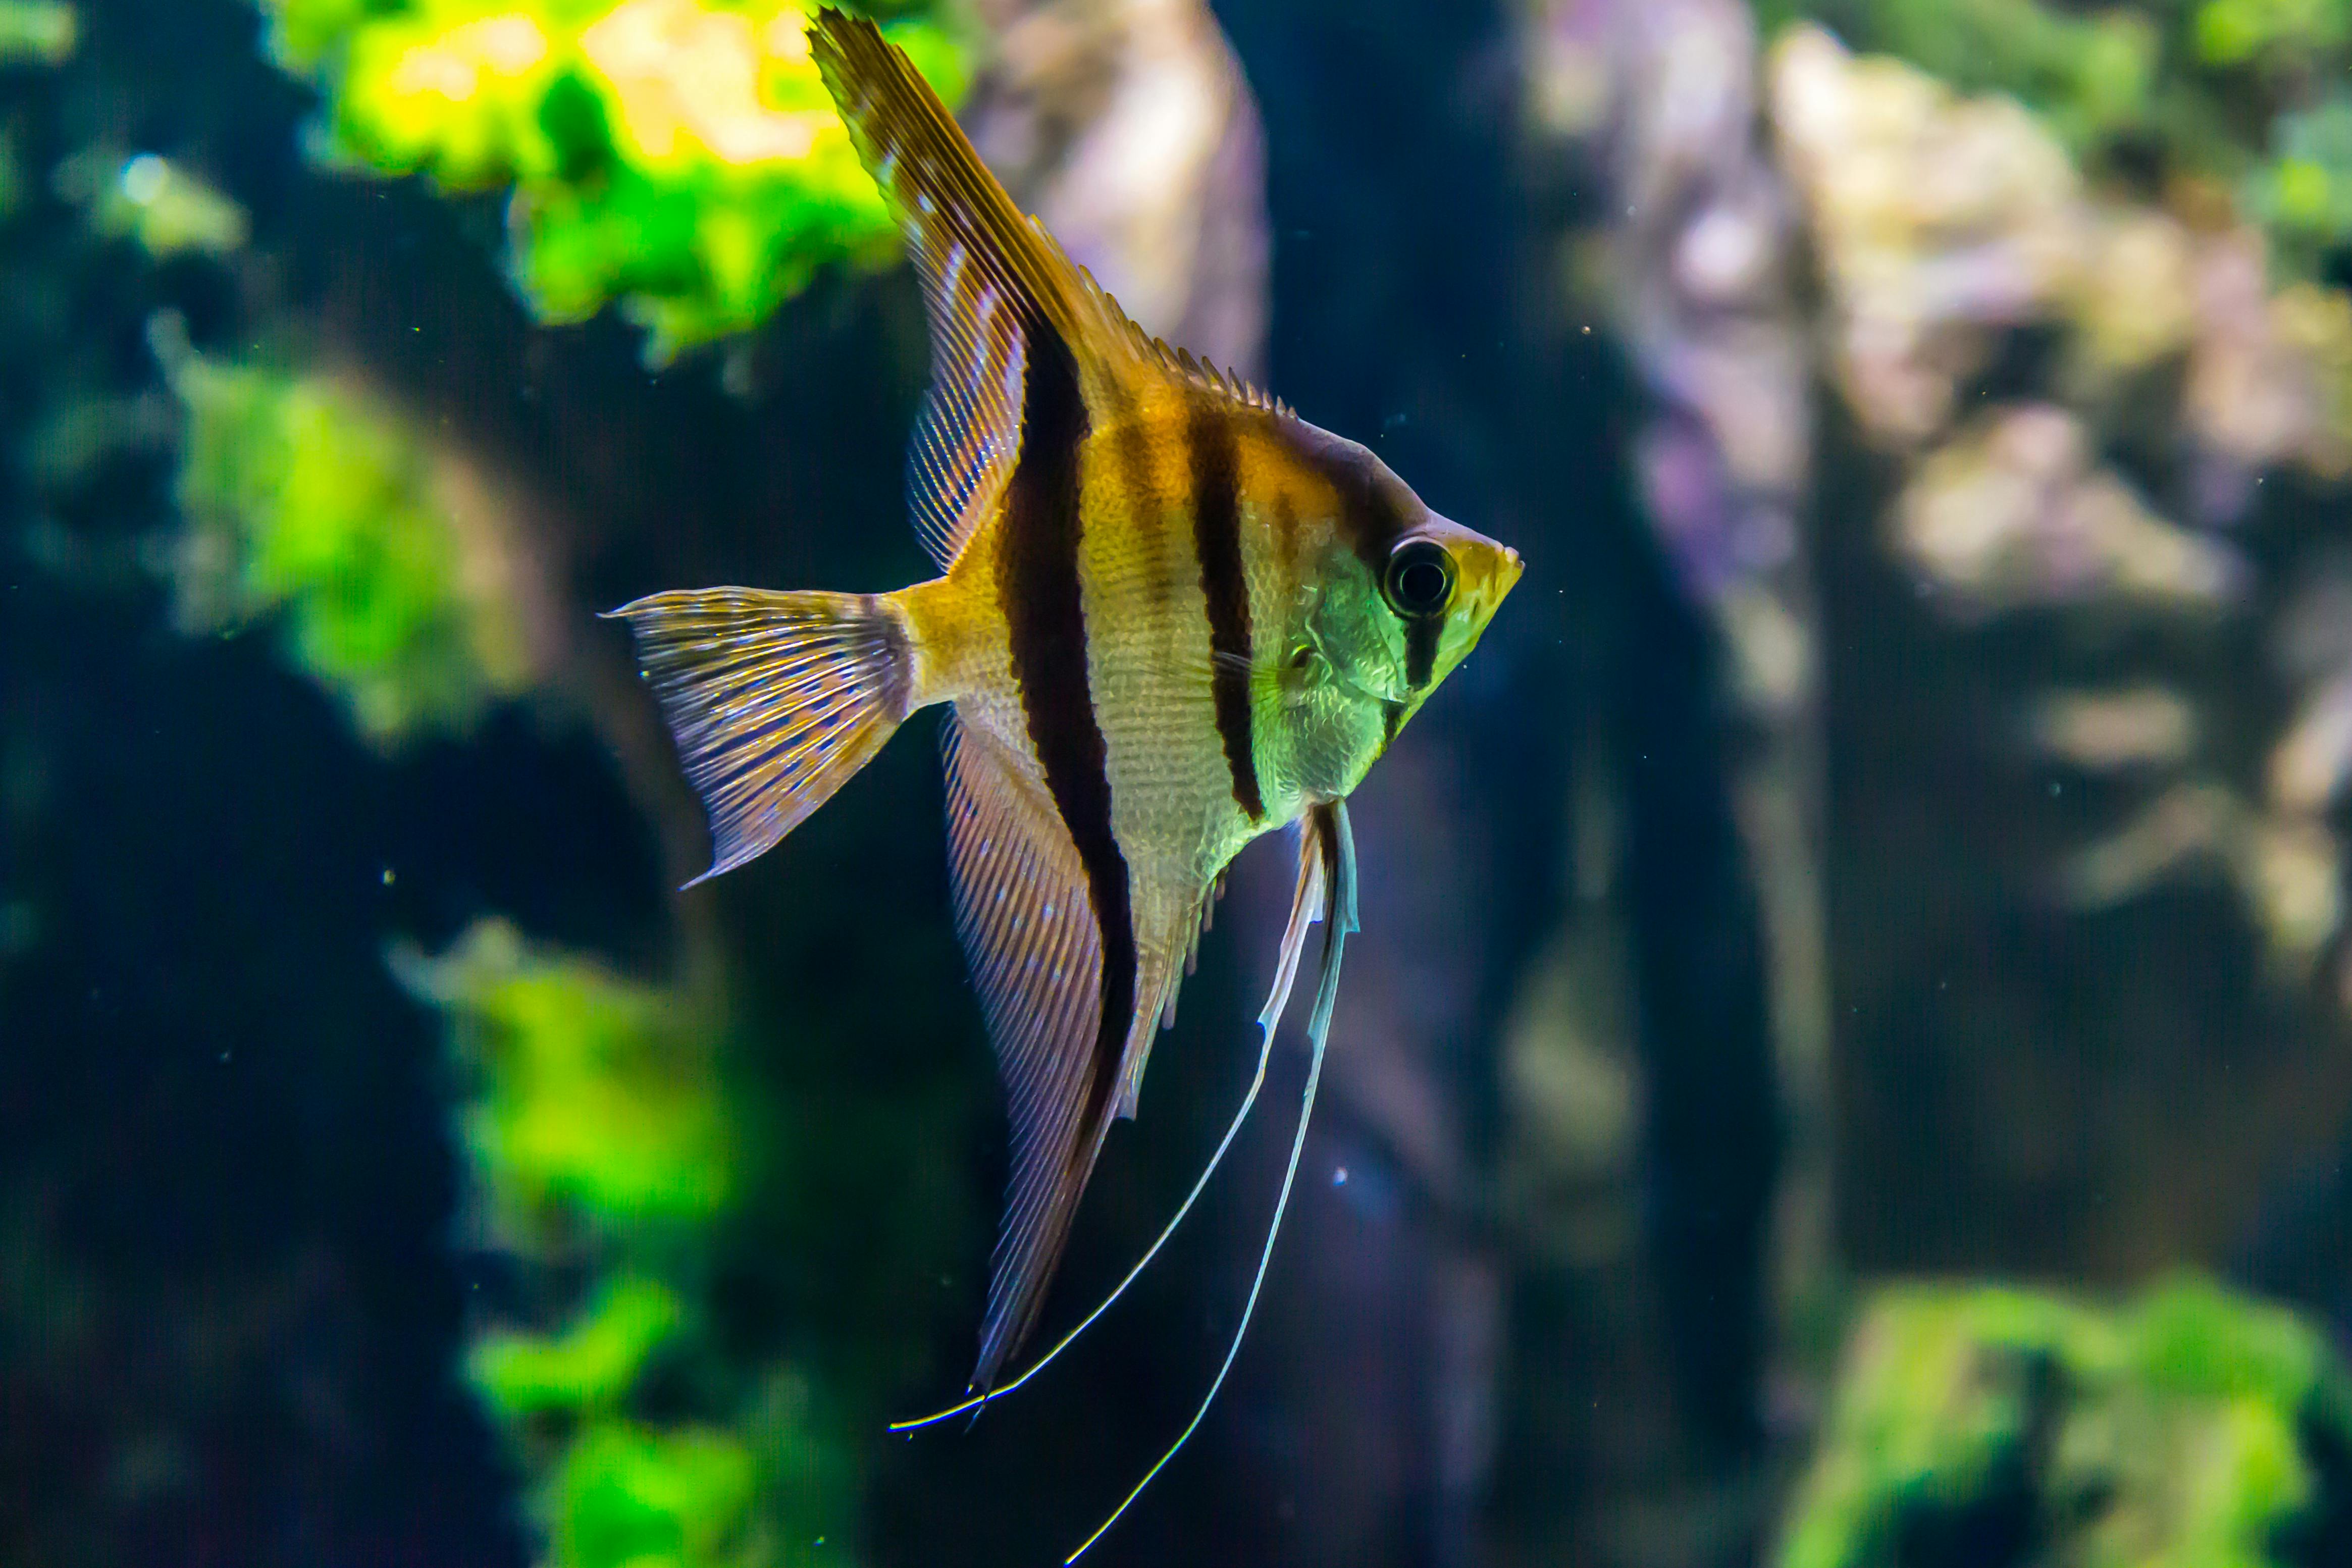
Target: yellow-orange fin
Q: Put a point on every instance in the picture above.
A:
(1025, 911)
(775, 699)
(926, 165)
(990, 276)
(1179, 363)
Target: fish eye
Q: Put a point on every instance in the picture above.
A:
(1419, 581)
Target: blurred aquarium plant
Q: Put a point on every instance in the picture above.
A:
(679, 156)
(604, 1159)
(620, 1192)
(307, 502)
(2194, 1428)
(39, 31)
(161, 205)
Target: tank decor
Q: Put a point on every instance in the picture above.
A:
(2214, 103)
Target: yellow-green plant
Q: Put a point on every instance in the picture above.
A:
(37, 30)
(2011, 1426)
(308, 505)
(594, 1103)
(600, 1126)
(680, 156)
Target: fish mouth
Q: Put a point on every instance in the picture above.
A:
(1513, 566)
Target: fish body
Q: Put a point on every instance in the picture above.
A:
(1173, 617)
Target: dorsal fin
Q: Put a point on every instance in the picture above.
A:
(1179, 362)
(924, 162)
(990, 276)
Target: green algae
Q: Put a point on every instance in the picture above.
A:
(310, 507)
(590, 1365)
(679, 157)
(633, 1497)
(2179, 1432)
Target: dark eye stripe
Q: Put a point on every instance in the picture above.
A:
(1417, 580)
(1421, 650)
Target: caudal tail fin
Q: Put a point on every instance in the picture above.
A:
(775, 699)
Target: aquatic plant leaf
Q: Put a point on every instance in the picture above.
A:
(598, 1100)
(310, 506)
(590, 1364)
(631, 1495)
(679, 157)
(2182, 1431)
(37, 31)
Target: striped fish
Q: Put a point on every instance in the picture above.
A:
(1173, 617)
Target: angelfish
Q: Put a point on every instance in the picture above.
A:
(1173, 617)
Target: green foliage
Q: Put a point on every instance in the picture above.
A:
(600, 1118)
(310, 506)
(2231, 94)
(36, 31)
(592, 1365)
(2242, 32)
(635, 1498)
(160, 206)
(2171, 1434)
(597, 1104)
(680, 156)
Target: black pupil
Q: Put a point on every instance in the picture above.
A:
(1421, 582)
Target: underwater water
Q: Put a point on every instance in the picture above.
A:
(1847, 1057)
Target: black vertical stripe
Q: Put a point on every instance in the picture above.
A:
(1421, 634)
(1217, 540)
(1037, 585)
